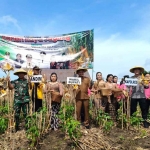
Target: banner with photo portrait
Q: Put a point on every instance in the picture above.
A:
(67, 51)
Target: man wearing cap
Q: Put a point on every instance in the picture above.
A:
(37, 91)
(82, 97)
(138, 94)
(21, 94)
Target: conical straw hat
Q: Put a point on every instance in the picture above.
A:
(20, 71)
(80, 68)
(136, 67)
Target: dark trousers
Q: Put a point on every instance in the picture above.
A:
(142, 103)
(38, 104)
(147, 106)
(17, 108)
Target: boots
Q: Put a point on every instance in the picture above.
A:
(16, 123)
(146, 125)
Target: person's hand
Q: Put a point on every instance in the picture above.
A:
(118, 100)
(110, 93)
(95, 91)
(51, 90)
(8, 78)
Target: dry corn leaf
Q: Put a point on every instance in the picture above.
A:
(30, 72)
(7, 67)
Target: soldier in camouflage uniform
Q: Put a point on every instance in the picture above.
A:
(21, 95)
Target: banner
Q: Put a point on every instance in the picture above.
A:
(67, 51)
(131, 82)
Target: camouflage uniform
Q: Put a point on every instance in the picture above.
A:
(21, 98)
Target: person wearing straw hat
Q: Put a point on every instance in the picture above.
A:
(82, 97)
(138, 95)
(21, 95)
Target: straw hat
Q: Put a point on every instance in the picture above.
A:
(80, 68)
(136, 67)
(20, 71)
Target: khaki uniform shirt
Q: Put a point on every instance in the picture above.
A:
(82, 92)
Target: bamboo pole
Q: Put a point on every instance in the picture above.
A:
(75, 105)
(122, 112)
(43, 128)
(128, 112)
(41, 118)
(34, 99)
(50, 108)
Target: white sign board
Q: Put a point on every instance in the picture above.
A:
(36, 78)
(74, 80)
(131, 82)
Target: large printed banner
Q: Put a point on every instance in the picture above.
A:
(67, 51)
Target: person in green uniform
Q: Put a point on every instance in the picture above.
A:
(21, 95)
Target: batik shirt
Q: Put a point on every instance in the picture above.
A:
(21, 91)
(138, 91)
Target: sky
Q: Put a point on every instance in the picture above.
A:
(121, 27)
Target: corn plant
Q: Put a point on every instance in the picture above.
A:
(68, 123)
(3, 118)
(104, 121)
(122, 117)
(3, 124)
(135, 120)
(32, 132)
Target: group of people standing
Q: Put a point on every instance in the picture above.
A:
(106, 102)
(22, 88)
(138, 94)
(108, 94)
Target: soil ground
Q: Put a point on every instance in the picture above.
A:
(55, 140)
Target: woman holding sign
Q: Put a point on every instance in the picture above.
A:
(56, 90)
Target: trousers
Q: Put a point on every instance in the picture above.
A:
(142, 103)
(18, 107)
(85, 103)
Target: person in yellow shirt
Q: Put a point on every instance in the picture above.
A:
(37, 91)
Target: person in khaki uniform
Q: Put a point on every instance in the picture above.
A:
(82, 97)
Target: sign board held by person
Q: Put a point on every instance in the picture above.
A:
(131, 82)
(36, 78)
(74, 80)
